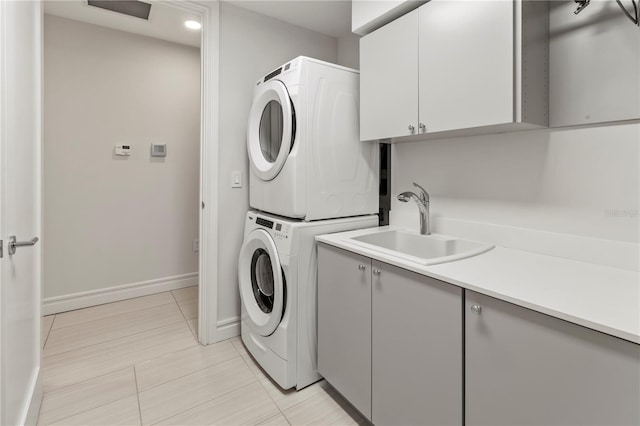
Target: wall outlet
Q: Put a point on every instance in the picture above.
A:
(195, 245)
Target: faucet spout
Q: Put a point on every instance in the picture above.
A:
(422, 201)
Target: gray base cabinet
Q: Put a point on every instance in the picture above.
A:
(390, 340)
(416, 349)
(527, 368)
(344, 324)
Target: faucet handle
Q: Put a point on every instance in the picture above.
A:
(424, 195)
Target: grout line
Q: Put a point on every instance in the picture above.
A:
(61, 421)
(111, 315)
(180, 309)
(202, 403)
(184, 375)
(84, 380)
(135, 377)
(187, 374)
(113, 339)
(89, 409)
(46, 338)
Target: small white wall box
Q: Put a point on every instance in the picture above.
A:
(123, 150)
(158, 150)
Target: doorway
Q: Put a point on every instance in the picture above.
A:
(121, 156)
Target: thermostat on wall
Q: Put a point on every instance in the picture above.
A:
(123, 150)
(158, 150)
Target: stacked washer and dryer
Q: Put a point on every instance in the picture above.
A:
(310, 175)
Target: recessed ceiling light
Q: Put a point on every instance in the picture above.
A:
(193, 25)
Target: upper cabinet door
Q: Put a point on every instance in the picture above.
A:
(389, 80)
(466, 64)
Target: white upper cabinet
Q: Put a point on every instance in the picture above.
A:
(388, 95)
(473, 67)
(369, 15)
(466, 64)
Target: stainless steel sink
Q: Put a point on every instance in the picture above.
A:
(423, 249)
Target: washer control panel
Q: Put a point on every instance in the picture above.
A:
(279, 231)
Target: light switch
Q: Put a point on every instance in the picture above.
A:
(236, 179)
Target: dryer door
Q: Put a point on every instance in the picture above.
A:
(261, 282)
(271, 129)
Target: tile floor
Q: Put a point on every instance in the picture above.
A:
(137, 362)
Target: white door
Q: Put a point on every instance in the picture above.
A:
(20, 127)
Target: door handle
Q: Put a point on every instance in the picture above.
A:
(14, 244)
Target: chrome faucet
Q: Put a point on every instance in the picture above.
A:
(423, 205)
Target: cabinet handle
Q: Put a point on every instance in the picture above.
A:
(362, 267)
(411, 128)
(422, 127)
(376, 271)
(476, 309)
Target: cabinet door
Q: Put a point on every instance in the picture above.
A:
(389, 80)
(466, 64)
(344, 324)
(417, 349)
(527, 368)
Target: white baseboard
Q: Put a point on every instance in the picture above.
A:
(32, 411)
(226, 329)
(54, 305)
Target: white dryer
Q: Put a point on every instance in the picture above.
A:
(277, 273)
(305, 154)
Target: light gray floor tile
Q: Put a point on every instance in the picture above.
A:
(93, 313)
(325, 408)
(187, 293)
(193, 325)
(102, 330)
(248, 405)
(248, 359)
(169, 399)
(175, 365)
(124, 412)
(80, 397)
(278, 420)
(92, 361)
(288, 398)
(189, 308)
(45, 327)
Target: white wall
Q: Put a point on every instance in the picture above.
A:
(560, 180)
(349, 51)
(583, 181)
(251, 45)
(112, 221)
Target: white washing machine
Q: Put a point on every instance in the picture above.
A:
(305, 154)
(277, 273)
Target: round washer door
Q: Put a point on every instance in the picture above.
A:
(261, 282)
(271, 129)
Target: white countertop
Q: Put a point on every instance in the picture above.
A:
(598, 297)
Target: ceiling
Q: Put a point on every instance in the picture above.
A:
(330, 17)
(165, 22)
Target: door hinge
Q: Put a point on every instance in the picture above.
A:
(1, 249)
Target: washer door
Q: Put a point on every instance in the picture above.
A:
(261, 282)
(271, 129)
